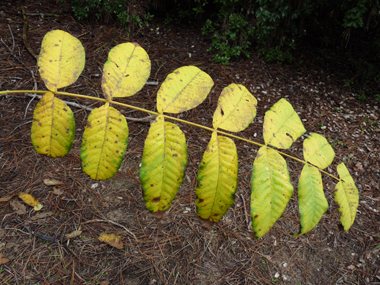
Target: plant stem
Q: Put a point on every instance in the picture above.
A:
(168, 117)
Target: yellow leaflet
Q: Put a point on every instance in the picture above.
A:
(126, 70)
(53, 128)
(61, 59)
(163, 164)
(104, 142)
(111, 239)
(236, 109)
(347, 196)
(217, 178)
(183, 90)
(30, 200)
(318, 151)
(282, 126)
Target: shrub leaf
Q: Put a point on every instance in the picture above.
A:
(53, 127)
(183, 90)
(217, 178)
(126, 70)
(61, 59)
(271, 189)
(236, 109)
(104, 142)
(163, 165)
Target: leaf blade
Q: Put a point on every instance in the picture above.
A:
(126, 70)
(183, 89)
(217, 178)
(53, 127)
(318, 151)
(282, 125)
(163, 165)
(104, 142)
(236, 109)
(271, 189)
(61, 59)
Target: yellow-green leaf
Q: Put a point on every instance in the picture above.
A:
(53, 128)
(318, 151)
(61, 59)
(126, 70)
(271, 189)
(183, 90)
(30, 200)
(163, 164)
(111, 239)
(104, 142)
(347, 197)
(236, 109)
(282, 126)
(217, 178)
(312, 201)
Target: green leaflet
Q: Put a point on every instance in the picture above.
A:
(217, 178)
(271, 189)
(312, 201)
(163, 164)
(53, 128)
(282, 126)
(104, 142)
(347, 197)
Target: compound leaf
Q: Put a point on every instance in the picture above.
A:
(163, 165)
(53, 128)
(183, 90)
(104, 142)
(282, 126)
(312, 201)
(271, 189)
(318, 151)
(347, 197)
(217, 178)
(61, 59)
(126, 70)
(236, 109)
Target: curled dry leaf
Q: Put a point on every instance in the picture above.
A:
(52, 182)
(3, 259)
(19, 208)
(73, 234)
(30, 200)
(111, 239)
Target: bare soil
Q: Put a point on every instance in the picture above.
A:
(176, 250)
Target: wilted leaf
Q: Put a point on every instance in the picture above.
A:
(73, 234)
(18, 207)
(57, 191)
(41, 215)
(30, 200)
(52, 182)
(5, 199)
(3, 259)
(111, 239)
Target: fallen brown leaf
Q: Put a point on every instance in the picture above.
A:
(3, 259)
(111, 239)
(19, 208)
(73, 234)
(57, 191)
(41, 215)
(51, 182)
(5, 199)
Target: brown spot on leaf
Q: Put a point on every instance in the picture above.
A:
(157, 199)
(175, 155)
(64, 109)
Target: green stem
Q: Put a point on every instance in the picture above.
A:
(168, 117)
